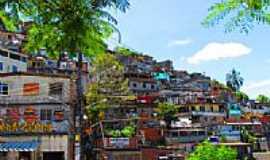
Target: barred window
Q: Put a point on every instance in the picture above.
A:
(56, 88)
(45, 114)
(3, 89)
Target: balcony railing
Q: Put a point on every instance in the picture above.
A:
(185, 139)
(31, 99)
(118, 143)
(200, 113)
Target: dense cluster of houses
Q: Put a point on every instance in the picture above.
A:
(206, 110)
(38, 101)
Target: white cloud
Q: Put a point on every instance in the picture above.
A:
(258, 87)
(180, 42)
(216, 51)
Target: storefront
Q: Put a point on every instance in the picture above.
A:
(46, 147)
(24, 150)
(35, 132)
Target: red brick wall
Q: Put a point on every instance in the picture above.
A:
(152, 134)
(152, 154)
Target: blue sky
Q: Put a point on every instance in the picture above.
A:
(172, 29)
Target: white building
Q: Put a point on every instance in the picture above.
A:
(11, 61)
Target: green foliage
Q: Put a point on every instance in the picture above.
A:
(247, 136)
(166, 111)
(263, 99)
(128, 131)
(109, 86)
(126, 51)
(241, 96)
(208, 151)
(239, 14)
(57, 26)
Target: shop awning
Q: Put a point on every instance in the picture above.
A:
(25, 146)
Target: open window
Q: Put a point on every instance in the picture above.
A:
(3, 89)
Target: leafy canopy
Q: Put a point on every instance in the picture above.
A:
(238, 14)
(63, 25)
(208, 151)
(166, 111)
(109, 86)
(263, 99)
(126, 51)
(241, 96)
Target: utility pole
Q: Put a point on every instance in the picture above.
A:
(80, 107)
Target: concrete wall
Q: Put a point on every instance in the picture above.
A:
(9, 62)
(16, 83)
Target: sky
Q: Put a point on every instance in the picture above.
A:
(172, 30)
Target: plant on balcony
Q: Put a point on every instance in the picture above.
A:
(128, 131)
(208, 151)
(247, 136)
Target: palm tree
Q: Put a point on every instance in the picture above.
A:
(234, 80)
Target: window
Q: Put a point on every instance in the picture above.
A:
(202, 109)
(14, 68)
(1, 66)
(24, 59)
(15, 56)
(152, 86)
(174, 134)
(45, 114)
(3, 53)
(31, 89)
(134, 85)
(3, 89)
(56, 88)
(144, 85)
(212, 109)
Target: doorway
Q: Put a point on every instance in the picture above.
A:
(53, 156)
(25, 155)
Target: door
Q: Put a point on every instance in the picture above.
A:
(25, 156)
(53, 156)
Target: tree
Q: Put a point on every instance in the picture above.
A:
(239, 14)
(241, 96)
(263, 99)
(108, 88)
(166, 112)
(234, 80)
(74, 26)
(78, 27)
(126, 51)
(208, 151)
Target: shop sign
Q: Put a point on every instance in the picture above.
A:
(25, 128)
(119, 142)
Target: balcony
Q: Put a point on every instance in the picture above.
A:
(185, 139)
(214, 114)
(31, 100)
(118, 143)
